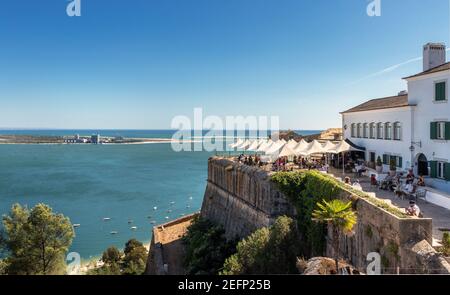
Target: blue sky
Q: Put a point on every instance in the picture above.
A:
(138, 63)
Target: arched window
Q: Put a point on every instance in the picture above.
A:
(388, 131)
(397, 131)
(373, 130)
(380, 133)
(353, 130)
(360, 130)
(366, 130)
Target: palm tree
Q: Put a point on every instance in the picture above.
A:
(339, 215)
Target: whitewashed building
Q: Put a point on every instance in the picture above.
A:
(413, 127)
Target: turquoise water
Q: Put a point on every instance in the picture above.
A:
(90, 182)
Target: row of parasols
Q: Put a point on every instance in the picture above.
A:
(283, 148)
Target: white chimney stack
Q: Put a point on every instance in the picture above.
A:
(433, 55)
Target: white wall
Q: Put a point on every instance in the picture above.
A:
(421, 92)
(381, 146)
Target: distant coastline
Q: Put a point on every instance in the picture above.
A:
(35, 139)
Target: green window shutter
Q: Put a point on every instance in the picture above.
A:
(447, 130)
(440, 91)
(433, 130)
(385, 160)
(400, 162)
(447, 171)
(433, 166)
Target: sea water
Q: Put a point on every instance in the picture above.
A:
(89, 183)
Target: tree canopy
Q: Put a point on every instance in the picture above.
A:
(269, 250)
(35, 241)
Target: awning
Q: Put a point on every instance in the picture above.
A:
(354, 146)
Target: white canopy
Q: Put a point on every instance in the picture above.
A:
(254, 145)
(237, 143)
(275, 148)
(292, 144)
(329, 146)
(265, 146)
(315, 148)
(244, 145)
(286, 151)
(342, 147)
(302, 147)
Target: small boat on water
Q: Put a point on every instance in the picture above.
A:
(133, 228)
(149, 216)
(76, 225)
(167, 217)
(169, 211)
(114, 232)
(153, 222)
(188, 206)
(130, 221)
(190, 198)
(154, 208)
(171, 203)
(106, 218)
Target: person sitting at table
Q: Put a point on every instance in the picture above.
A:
(347, 180)
(386, 183)
(413, 209)
(373, 180)
(361, 169)
(421, 181)
(357, 185)
(410, 177)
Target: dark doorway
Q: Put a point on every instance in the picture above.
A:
(422, 165)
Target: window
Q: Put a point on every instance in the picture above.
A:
(373, 130)
(440, 91)
(360, 130)
(353, 130)
(388, 158)
(366, 130)
(388, 131)
(397, 131)
(440, 130)
(380, 131)
(440, 170)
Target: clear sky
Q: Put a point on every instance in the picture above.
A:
(138, 63)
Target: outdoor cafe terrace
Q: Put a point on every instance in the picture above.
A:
(285, 156)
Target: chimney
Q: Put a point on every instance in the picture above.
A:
(433, 55)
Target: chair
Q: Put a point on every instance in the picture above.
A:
(419, 194)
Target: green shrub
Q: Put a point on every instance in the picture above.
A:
(392, 165)
(270, 250)
(206, 247)
(446, 244)
(379, 162)
(305, 190)
(131, 262)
